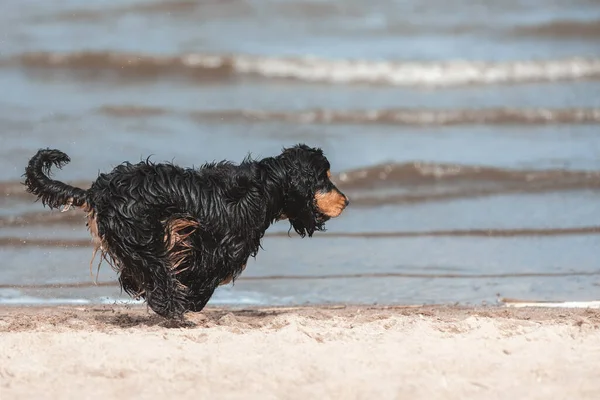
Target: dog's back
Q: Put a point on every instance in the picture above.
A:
(165, 185)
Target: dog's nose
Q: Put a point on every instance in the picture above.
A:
(347, 201)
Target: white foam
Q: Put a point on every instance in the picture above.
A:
(30, 300)
(221, 297)
(313, 69)
(449, 73)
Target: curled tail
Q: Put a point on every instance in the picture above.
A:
(52, 193)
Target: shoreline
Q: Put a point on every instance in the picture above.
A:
(329, 352)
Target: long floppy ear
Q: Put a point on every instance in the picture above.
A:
(299, 202)
(301, 215)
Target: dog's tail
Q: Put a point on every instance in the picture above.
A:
(52, 193)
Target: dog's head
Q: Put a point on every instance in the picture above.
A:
(311, 198)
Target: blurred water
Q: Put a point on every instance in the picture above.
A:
(508, 87)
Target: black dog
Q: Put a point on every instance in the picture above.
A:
(175, 234)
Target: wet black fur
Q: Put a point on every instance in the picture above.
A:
(233, 204)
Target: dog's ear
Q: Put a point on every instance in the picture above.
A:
(301, 181)
(299, 205)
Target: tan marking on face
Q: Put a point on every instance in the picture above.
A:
(230, 277)
(328, 174)
(330, 203)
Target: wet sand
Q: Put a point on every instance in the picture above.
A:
(425, 352)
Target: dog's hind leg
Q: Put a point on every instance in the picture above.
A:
(146, 272)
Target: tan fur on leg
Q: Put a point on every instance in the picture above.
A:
(177, 232)
(97, 241)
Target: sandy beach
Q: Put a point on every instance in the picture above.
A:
(336, 352)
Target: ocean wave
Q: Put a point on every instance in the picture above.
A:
(419, 173)
(399, 116)
(421, 182)
(132, 111)
(41, 218)
(409, 117)
(313, 69)
(146, 7)
(9, 295)
(13, 295)
(491, 233)
(561, 29)
(507, 275)
(198, 10)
